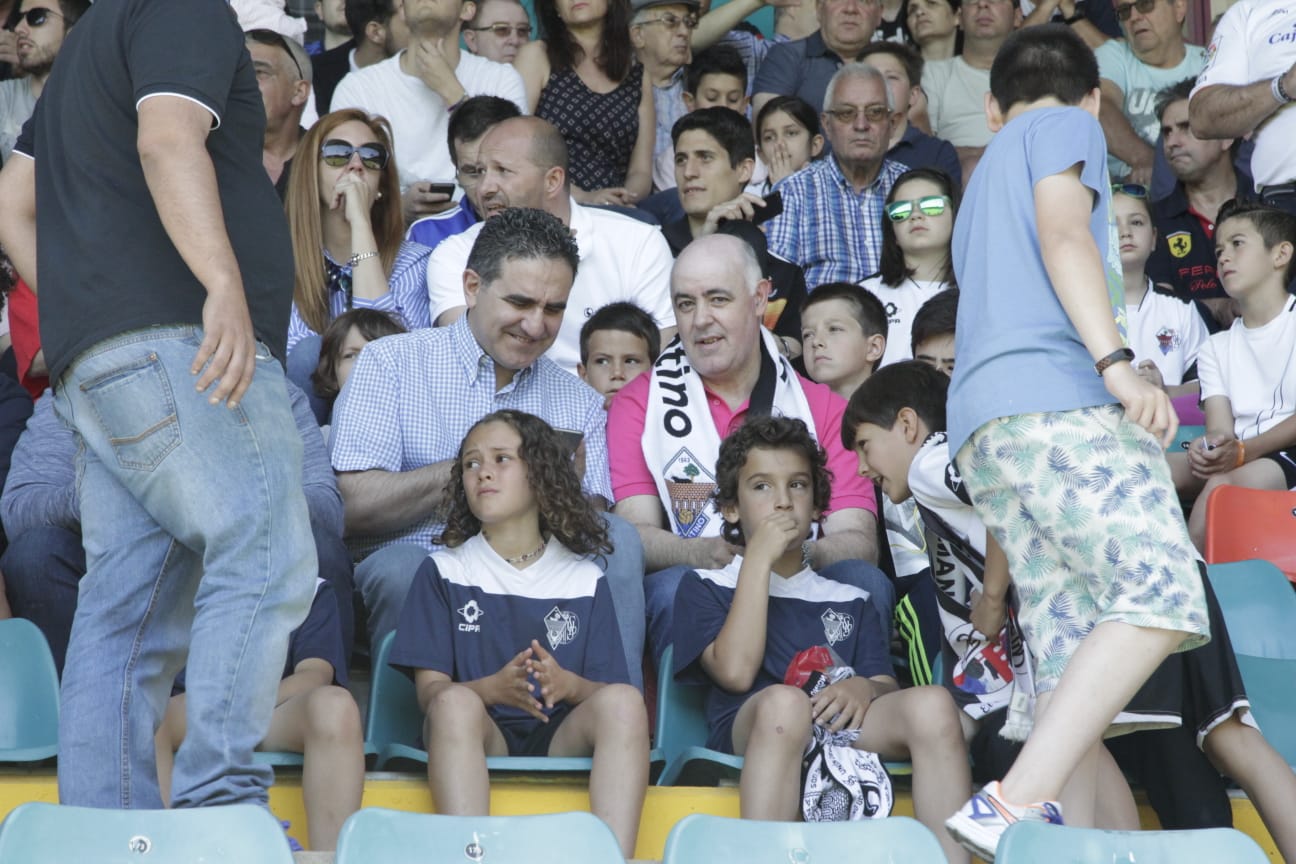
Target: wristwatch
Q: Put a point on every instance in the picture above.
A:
(1115, 357)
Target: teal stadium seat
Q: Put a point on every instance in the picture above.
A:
(1033, 842)
(395, 724)
(896, 840)
(1259, 607)
(682, 735)
(39, 833)
(1184, 437)
(376, 835)
(29, 694)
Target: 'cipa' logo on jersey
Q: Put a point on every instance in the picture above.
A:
(561, 627)
(471, 612)
(837, 625)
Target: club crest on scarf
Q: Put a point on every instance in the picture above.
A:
(690, 487)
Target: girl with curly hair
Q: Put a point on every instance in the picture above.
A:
(510, 635)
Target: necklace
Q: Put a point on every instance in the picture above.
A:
(527, 556)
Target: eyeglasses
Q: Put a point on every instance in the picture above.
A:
(673, 22)
(928, 205)
(470, 175)
(1134, 190)
(503, 31)
(337, 153)
(1125, 10)
(262, 36)
(848, 115)
(38, 15)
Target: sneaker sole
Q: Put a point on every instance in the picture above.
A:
(973, 837)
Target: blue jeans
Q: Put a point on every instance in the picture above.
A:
(660, 588)
(302, 360)
(384, 578)
(197, 540)
(42, 568)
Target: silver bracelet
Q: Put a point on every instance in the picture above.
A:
(360, 256)
(1279, 92)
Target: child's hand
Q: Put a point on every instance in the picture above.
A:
(555, 681)
(1212, 454)
(1149, 372)
(988, 615)
(844, 704)
(781, 164)
(509, 686)
(773, 535)
(1145, 404)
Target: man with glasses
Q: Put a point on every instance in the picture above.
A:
(39, 33)
(468, 126)
(379, 32)
(956, 88)
(418, 89)
(804, 67)
(661, 31)
(283, 73)
(1248, 86)
(498, 30)
(831, 225)
(1151, 57)
(164, 332)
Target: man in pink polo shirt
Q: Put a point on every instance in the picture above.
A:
(665, 428)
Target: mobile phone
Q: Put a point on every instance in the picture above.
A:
(773, 207)
(570, 439)
(441, 188)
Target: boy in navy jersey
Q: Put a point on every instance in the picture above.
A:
(738, 629)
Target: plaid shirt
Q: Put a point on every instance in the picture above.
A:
(412, 398)
(828, 229)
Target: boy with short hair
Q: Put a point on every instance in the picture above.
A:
(843, 335)
(617, 343)
(1248, 390)
(738, 629)
(895, 423)
(1057, 438)
(717, 78)
(932, 334)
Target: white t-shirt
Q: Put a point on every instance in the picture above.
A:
(417, 114)
(1256, 41)
(16, 105)
(620, 259)
(1168, 331)
(1256, 369)
(956, 101)
(902, 303)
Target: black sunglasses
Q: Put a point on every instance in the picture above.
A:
(39, 15)
(1125, 10)
(263, 36)
(336, 153)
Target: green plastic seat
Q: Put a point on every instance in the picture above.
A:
(29, 694)
(1259, 607)
(682, 734)
(39, 833)
(1033, 842)
(376, 834)
(395, 724)
(896, 840)
(1184, 437)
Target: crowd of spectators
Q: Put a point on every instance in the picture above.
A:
(652, 227)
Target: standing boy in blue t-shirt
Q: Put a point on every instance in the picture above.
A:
(1064, 466)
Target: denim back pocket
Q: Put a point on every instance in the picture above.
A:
(135, 408)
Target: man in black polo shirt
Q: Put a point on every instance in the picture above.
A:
(1184, 257)
(165, 280)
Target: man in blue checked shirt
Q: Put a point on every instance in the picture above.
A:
(411, 398)
(831, 224)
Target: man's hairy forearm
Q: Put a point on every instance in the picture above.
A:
(378, 501)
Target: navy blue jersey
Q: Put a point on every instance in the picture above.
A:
(469, 612)
(804, 610)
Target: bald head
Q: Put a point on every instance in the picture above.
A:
(719, 254)
(539, 139)
(719, 300)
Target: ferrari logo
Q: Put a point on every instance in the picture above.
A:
(1180, 243)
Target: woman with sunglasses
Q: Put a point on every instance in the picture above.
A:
(347, 235)
(583, 78)
(917, 222)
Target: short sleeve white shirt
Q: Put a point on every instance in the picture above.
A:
(956, 101)
(1255, 368)
(901, 302)
(417, 114)
(1168, 331)
(1256, 41)
(620, 259)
